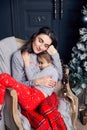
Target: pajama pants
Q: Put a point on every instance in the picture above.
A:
(28, 98)
(47, 118)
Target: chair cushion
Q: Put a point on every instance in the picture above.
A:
(2, 127)
(7, 47)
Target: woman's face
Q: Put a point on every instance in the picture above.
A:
(41, 43)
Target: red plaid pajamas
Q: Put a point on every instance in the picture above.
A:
(28, 98)
(46, 116)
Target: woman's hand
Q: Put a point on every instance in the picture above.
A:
(51, 50)
(45, 81)
(26, 58)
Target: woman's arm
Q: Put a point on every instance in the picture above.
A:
(18, 68)
(56, 60)
(31, 66)
(48, 73)
(46, 81)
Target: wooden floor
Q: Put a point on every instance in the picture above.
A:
(80, 126)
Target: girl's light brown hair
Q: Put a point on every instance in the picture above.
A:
(46, 56)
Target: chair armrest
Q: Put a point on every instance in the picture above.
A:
(11, 117)
(70, 96)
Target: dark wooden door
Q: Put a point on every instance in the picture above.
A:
(28, 15)
(22, 17)
(63, 16)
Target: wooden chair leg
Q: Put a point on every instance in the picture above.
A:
(11, 117)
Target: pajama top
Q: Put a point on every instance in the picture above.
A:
(26, 75)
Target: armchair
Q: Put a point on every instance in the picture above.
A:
(11, 117)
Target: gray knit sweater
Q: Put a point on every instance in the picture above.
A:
(26, 75)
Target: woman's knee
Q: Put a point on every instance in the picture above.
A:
(3, 75)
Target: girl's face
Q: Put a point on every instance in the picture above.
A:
(43, 63)
(41, 43)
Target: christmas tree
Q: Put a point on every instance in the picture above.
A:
(78, 62)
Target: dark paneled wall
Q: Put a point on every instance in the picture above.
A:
(68, 28)
(5, 19)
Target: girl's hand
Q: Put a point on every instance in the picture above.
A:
(51, 50)
(45, 81)
(26, 58)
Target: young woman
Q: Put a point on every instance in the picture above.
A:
(42, 40)
(23, 63)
